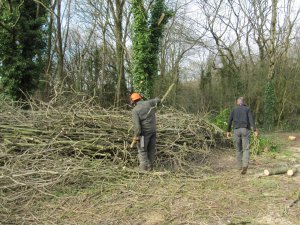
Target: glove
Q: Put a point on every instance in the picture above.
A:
(136, 139)
(228, 135)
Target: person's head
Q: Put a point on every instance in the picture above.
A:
(135, 97)
(240, 101)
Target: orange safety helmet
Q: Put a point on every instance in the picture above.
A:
(135, 97)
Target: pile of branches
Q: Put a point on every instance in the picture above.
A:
(86, 130)
(48, 146)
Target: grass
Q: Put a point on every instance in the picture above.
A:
(266, 184)
(220, 198)
(287, 153)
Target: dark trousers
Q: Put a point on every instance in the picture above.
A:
(242, 144)
(147, 151)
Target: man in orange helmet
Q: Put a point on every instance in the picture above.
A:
(144, 121)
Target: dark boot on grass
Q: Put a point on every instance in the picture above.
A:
(244, 170)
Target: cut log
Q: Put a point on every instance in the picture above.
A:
(275, 171)
(291, 172)
(292, 138)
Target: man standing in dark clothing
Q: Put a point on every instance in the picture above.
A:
(243, 123)
(144, 121)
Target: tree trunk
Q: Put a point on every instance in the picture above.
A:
(49, 52)
(117, 11)
(270, 95)
(273, 35)
(60, 55)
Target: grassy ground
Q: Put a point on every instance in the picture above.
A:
(210, 194)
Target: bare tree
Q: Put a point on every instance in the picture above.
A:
(117, 10)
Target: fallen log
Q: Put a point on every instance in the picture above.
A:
(291, 172)
(275, 171)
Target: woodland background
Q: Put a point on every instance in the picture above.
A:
(214, 51)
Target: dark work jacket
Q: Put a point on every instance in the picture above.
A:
(143, 116)
(242, 117)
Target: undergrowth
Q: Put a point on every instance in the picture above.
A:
(258, 144)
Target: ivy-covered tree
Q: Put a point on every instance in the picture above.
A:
(270, 94)
(22, 45)
(147, 30)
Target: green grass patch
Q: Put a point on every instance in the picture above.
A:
(263, 144)
(62, 191)
(265, 184)
(287, 153)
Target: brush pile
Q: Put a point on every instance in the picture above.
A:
(85, 130)
(52, 145)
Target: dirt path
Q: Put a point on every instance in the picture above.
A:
(211, 194)
(274, 195)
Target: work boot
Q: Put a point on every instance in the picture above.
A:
(151, 167)
(143, 167)
(244, 170)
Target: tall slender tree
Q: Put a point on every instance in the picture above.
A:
(117, 9)
(270, 95)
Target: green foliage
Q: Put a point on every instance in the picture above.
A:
(262, 144)
(258, 145)
(147, 30)
(292, 124)
(221, 120)
(269, 106)
(22, 45)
